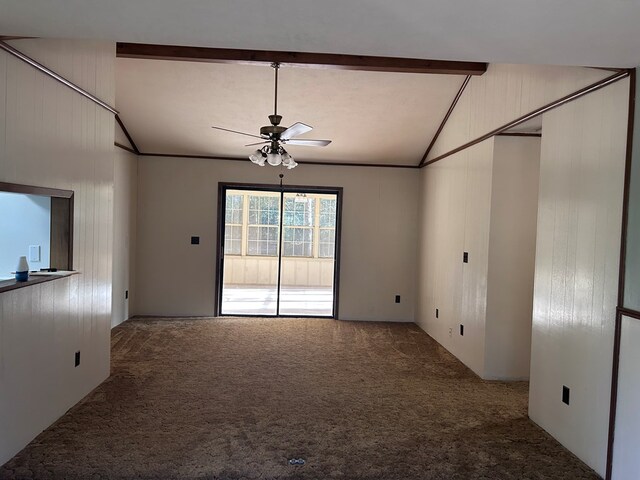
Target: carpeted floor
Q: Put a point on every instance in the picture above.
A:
(237, 398)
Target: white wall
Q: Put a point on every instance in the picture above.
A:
(581, 185)
(632, 269)
(512, 251)
(506, 92)
(125, 199)
(455, 213)
(577, 258)
(483, 201)
(456, 205)
(177, 198)
(53, 137)
(24, 220)
(626, 461)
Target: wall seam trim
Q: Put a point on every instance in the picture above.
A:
(534, 113)
(444, 120)
(59, 78)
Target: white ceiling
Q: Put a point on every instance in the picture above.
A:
(569, 32)
(371, 117)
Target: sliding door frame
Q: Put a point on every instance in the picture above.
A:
(282, 189)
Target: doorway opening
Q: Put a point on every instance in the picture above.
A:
(278, 250)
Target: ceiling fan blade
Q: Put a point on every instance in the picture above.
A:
(234, 131)
(295, 130)
(308, 142)
(257, 143)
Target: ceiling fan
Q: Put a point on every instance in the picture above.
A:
(274, 136)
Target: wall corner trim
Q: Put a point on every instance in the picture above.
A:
(621, 311)
(444, 120)
(135, 148)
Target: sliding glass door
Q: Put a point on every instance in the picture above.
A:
(308, 247)
(278, 252)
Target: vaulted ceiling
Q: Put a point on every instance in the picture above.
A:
(168, 107)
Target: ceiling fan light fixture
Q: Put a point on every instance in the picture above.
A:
(256, 156)
(274, 159)
(286, 158)
(275, 136)
(292, 164)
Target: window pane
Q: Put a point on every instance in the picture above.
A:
(233, 213)
(299, 211)
(262, 240)
(233, 224)
(263, 221)
(233, 240)
(326, 247)
(327, 235)
(327, 212)
(298, 242)
(264, 210)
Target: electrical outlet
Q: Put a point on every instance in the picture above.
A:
(437, 313)
(397, 298)
(461, 329)
(77, 359)
(465, 257)
(126, 294)
(195, 240)
(450, 332)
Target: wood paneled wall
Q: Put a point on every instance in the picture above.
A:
(577, 259)
(626, 462)
(125, 213)
(512, 253)
(505, 93)
(578, 240)
(455, 218)
(480, 201)
(53, 137)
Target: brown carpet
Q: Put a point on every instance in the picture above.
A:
(236, 398)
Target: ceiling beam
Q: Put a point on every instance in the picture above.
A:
(314, 60)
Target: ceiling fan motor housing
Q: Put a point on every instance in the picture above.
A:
(272, 131)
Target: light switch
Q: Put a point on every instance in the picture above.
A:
(34, 253)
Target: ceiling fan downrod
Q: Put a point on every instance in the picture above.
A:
(275, 119)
